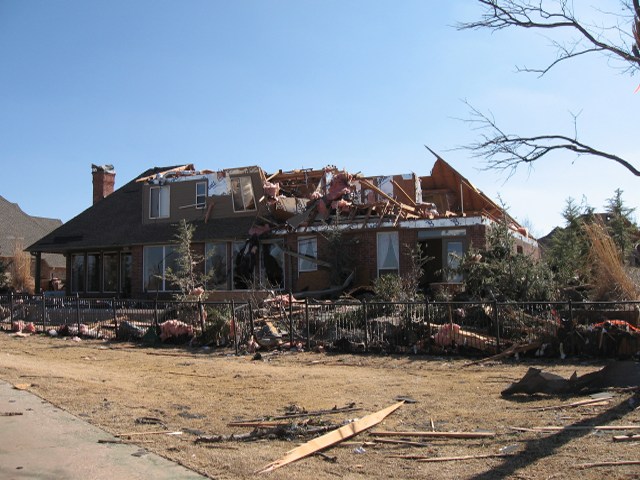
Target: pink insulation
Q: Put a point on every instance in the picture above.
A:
(174, 329)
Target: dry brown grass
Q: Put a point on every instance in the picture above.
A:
(20, 271)
(609, 276)
(198, 392)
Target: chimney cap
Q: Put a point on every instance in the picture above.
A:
(102, 168)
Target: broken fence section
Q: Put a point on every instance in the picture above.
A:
(608, 329)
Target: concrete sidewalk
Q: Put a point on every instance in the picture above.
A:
(47, 443)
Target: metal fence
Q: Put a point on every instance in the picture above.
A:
(594, 328)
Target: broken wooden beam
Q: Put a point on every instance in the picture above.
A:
(331, 438)
(581, 403)
(421, 458)
(435, 434)
(626, 438)
(553, 428)
(519, 348)
(609, 464)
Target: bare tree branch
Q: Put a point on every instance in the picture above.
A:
(559, 14)
(504, 151)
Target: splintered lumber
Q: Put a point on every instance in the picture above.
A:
(581, 403)
(331, 438)
(315, 413)
(131, 434)
(626, 438)
(435, 434)
(393, 441)
(552, 428)
(609, 464)
(512, 350)
(421, 458)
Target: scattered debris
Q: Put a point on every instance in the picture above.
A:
(581, 403)
(10, 414)
(331, 438)
(421, 458)
(616, 374)
(131, 434)
(626, 438)
(435, 434)
(609, 464)
(554, 428)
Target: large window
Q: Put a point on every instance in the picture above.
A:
(201, 194)
(454, 255)
(242, 192)
(93, 272)
(156, 261)
(388, 253)
(159, 202)
(244, 257)
(77, 272)
(272, 264)
(307, 247)
(126, 262)
(110, 272)
(217, 266)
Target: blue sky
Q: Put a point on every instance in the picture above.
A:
(285, 84)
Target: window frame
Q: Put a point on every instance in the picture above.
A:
(201, 198)
(167, 251)
(163, 196)
(243, 182)
(305, 265)
(380, 254)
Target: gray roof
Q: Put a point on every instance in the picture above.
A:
(19, 227)
(116, 221)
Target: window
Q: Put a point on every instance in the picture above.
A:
(242, 193)
(454, 255)
(388, 253)
(110, 272)
(159, 202)
(126, 262)
(201, 194)
(77, 273)
(216, 266)
(93, 272)
(244, 254)
(272, 264)
(308, 247)
(156, 261)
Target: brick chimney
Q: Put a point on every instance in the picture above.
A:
(104, 177)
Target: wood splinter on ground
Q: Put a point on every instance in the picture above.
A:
(609, 464)
(331, 438)
(131, 434)
(422, 458)
(435, 434)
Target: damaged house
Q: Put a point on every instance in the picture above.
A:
(310, 232)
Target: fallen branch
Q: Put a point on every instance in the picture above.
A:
(331, 438)
(315, 413)
(435, 434)
(401, 442)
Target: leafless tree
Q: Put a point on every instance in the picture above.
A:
(615, 35)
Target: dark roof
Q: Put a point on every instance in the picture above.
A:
(116, 221)
(21, 227)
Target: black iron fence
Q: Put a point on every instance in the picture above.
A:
(552, 328)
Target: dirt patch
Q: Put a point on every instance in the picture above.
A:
(198, 392)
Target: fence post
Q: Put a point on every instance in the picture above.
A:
(572, 328)
(306, 321)
(234, 324)
(366, 325)
(253, 333)
(44, 314)
(78, 312)
(201, 315)
(496, 320)
(10, 308)
(115, 316)
(291, 336)
(155, 313)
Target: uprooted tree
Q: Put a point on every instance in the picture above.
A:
(613, 35)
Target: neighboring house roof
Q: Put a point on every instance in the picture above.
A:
(21, 227)
(116, 221)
